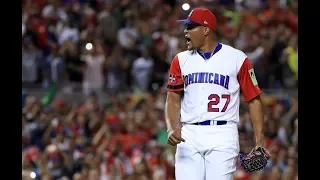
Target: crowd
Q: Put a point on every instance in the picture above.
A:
(125, 48)
(125, 138)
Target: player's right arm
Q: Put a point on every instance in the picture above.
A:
(173, 102)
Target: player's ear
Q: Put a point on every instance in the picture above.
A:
(206, 31)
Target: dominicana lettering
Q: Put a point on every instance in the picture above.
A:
(205, 77)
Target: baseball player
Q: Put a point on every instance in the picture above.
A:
(203, 97)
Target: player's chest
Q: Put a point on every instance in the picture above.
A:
(210, 72)
(208, 68)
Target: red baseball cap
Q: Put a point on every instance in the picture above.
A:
(201, 16)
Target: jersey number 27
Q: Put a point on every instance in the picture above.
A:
(215, 99)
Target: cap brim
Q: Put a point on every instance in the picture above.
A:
(187, 21)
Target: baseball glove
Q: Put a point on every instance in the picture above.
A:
(255, 160)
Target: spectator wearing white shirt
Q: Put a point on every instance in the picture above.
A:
(141, 71)
(128, 35)
(93, 73)
(69, 32)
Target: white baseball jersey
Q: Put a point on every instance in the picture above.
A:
(212, 87)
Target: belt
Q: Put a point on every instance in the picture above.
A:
(210, 122)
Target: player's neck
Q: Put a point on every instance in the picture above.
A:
(208, 46)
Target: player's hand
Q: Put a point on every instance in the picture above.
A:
(174, 137)
(267, 153)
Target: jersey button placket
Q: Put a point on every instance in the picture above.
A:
(203, 101)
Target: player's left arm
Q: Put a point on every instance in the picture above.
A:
(251, 92)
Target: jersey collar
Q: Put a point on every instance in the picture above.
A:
(206, 56)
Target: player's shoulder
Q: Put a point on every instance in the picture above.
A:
(183, 56)
(232, 51)
(234, 55)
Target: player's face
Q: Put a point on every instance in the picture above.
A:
(194, 36)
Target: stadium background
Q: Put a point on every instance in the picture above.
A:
(94, 73)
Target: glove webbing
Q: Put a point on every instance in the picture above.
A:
(255, 164)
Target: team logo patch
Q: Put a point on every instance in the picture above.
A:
(253, 77)
(172, 78)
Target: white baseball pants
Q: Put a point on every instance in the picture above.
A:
(208, 153)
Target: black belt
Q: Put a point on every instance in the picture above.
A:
(210, 122)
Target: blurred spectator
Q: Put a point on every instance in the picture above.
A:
(73, 62)
(53, 67)
(108, 49)
(117, 67)
(31, 57)
(68, 32)
(290, 56)
(108, 24)
(93, 73)
(128, 35)
(141, 71)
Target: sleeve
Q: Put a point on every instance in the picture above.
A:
(248, 82)
(175, 81)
